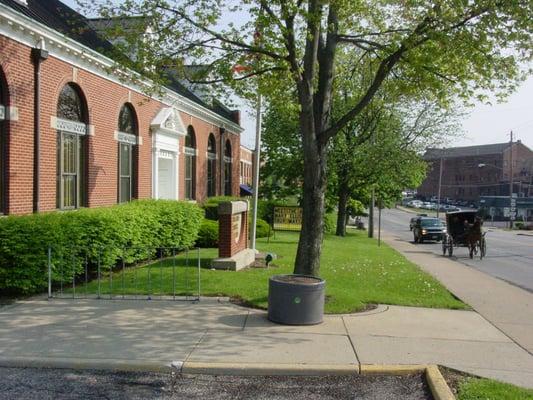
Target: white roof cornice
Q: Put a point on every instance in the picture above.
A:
(25, 30)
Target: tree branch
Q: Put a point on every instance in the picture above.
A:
(222, 38)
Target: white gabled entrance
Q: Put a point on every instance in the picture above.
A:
(166, 176)
(167, 127)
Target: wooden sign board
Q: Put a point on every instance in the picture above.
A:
(287, 219)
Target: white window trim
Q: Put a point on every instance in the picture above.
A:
(65, 125)
(190, 151)
(129, 138)
(9, 113)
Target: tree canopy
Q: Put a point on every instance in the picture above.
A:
(460, 47)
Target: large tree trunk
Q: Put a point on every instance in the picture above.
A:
(342, 214)
(309, 246)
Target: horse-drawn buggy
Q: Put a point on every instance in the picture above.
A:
(464, 230)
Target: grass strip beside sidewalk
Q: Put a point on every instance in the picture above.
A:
(357, 271)
(488, 389)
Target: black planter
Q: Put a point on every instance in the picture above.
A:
(296, 299)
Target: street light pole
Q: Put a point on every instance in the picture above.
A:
(257, 160)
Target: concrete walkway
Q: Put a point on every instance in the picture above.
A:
(150, 334)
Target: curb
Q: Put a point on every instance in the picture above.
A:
(251, 369)
(437, 384)
(95, 364)
(373, 369)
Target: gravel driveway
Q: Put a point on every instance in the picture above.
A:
(29, 383)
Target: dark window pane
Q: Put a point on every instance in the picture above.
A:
(125, 159)
(126, 121)
(211, 145)
(69, 105)
(70, 170)
(69, 191)
(125, 189)
(227, 178)
(70, 146)
(227, 151)
(189, 177)
(190, 140)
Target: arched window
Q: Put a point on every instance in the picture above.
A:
(127, 154)
(3, 142)
(227, 169)
(190, 164)
(211, 166)
(71, 154)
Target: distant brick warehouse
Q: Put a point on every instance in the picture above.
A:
(72, 134)
(474, 171)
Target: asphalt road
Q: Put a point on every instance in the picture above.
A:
(58, 384)
(509, 256)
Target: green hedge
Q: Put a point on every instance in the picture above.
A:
(208, 234)
(136, 230)
(211, 205)
(262, 229)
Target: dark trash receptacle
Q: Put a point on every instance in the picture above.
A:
(296, 299)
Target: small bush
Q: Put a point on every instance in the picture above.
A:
(208, 234)
(134, 231)
(330, 222)
(211, 205)
(262, 229)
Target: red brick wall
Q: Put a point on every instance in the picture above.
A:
(246, 160)
(104, 101)
(227, 247)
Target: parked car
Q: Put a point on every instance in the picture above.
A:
(414, 219)
(428, 228)
(414, 204)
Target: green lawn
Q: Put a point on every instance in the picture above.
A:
(356, 270)
(487, 389)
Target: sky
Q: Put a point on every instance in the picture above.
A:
(493, 124)
(484, 124)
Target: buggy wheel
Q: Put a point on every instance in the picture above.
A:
(482, 247)
(450, 246)
(444, 247)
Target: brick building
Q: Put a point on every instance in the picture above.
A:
(74, 133)
(247, 159)
(474, 171)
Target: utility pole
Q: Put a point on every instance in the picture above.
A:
(512, 204)
(440, 185)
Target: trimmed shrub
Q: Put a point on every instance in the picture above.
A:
(135, 231)
(208, 234)
(330, 222)
(211, 205)
(262, 229)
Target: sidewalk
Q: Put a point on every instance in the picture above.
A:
(148, 335)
